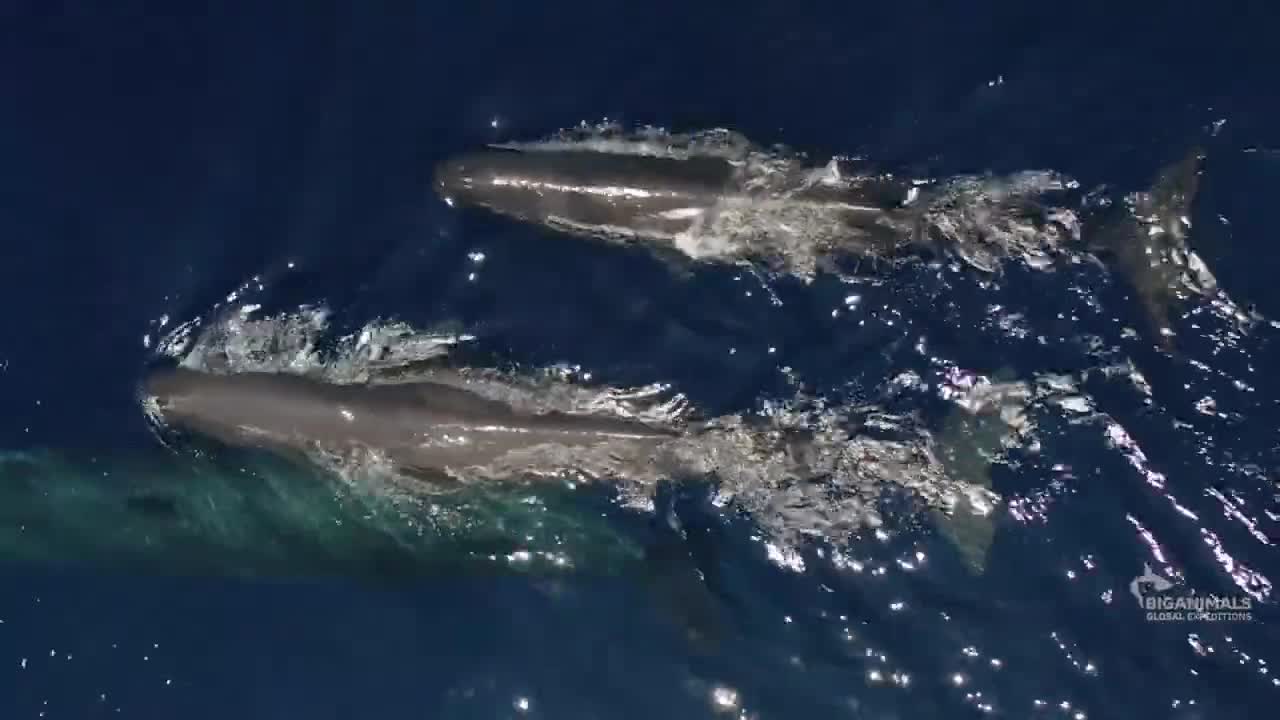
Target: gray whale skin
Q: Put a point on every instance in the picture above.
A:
(422, 425)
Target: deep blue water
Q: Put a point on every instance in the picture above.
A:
(155, 155)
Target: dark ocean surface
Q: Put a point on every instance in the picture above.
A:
(155, 156)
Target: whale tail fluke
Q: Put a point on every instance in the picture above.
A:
(1147, 241)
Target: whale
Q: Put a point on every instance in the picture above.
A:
(437, 434)
(785, 216)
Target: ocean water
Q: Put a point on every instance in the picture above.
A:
(160, 159)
